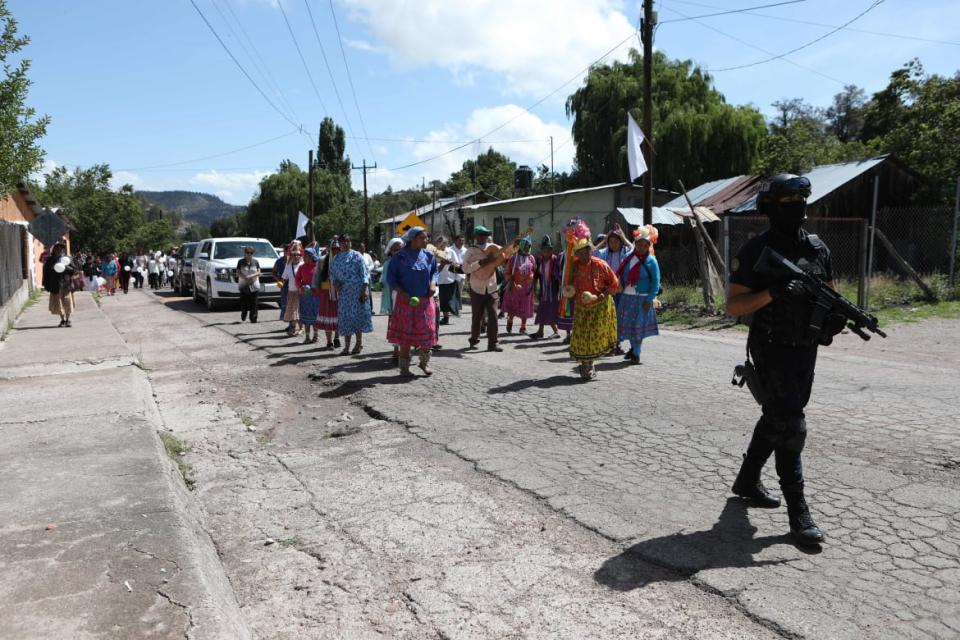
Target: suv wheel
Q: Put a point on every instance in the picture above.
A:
(211, 303)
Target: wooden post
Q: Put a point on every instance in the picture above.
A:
(873, 226)
(709, 301)
(953, 242)
(707, 240)
(862, 285)
(930, 294)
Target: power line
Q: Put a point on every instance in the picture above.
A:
(329, 70)
(472, 140)
(873, 6)
(211, 157)
(830, 26)
(525, 109)
(343, 52)
(725, 13)
(762, 50)
(302, 59)
(242, 70)
(257, 58)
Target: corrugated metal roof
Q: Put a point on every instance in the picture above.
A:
(442, 203)
(702, 192)
(824, 180)
(474, 207)
(664, 215)
(732, 195)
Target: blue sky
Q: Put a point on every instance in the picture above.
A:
(143, 84)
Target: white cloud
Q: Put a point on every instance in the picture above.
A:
(525, 140)
(535, 44)
(121, 178)
(235, 188)
(362, 45)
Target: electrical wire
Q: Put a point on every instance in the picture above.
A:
(525, 110)
(257, 58)
(725, 13)
(302, 59)
(242, 70)
(762, 50)
(873, 6)
(330, 71)
(216, 155)
(450, 141)
(887, 34)
(353, 90)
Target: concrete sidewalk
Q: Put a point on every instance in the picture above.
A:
(98, 535)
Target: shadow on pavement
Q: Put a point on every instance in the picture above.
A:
(728, 544)
(539, 383)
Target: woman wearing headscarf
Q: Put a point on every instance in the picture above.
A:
(595, 324)
(413, 275)
(58, 269)
(518, 275)
(547, 275)
(292, 311)
(351, 280)
(614, 249)
(328, 311)
(278, 268)
(309, 297)
(639, 276)
(386, 293)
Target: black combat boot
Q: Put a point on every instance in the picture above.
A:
(748, 486)
(805, 531)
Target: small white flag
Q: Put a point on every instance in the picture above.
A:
(302, 221)
(635, 161)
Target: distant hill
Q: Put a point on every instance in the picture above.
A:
(202, 208)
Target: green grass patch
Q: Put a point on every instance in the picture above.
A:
(176, 449)
(247, 420)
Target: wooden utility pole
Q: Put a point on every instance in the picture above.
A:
(313, 234)
(366, 220)
(647, 27)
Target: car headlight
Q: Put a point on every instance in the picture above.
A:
(224, 275)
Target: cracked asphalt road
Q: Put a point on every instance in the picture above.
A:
(643, 457)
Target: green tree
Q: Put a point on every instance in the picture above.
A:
(697, 135)
(103, 218)
(845, 117)
(20, 131)
(194, 232)
(153, 235)
(273, 212)
(491, 172)
(917, 118)
(228, 226)
(330, 149)
(803, 136)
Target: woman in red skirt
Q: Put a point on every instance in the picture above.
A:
(327, 315)
(413, 275)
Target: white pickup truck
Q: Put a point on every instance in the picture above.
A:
(215, 270)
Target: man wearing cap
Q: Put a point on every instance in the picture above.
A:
(480, 262)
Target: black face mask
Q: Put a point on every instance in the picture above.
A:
(788, 217)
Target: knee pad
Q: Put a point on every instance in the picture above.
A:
(794, 434)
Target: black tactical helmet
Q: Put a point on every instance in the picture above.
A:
(781, 186)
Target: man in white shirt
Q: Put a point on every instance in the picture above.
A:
(481, 266)
(457, 251)
(368, 260)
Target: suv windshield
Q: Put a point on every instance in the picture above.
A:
(227, 250)
(189, 249)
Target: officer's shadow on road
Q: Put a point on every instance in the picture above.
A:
(728, 544)
(539, 383)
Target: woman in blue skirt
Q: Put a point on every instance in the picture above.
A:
(640, 277)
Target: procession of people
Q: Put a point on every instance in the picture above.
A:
(601, 294)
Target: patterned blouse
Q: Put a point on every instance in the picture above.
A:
(595, 276)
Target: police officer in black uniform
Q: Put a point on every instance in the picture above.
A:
(784, 353)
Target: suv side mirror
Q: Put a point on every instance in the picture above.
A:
(203, 256)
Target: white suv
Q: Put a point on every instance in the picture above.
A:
(215, 270)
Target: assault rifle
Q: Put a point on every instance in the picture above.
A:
(826, 301)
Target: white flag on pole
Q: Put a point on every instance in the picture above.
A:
(302, 221)
(635, 160)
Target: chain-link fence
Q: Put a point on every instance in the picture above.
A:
(923, 236)
(12, 264)
(846, 238)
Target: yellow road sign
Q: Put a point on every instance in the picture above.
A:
(410, 222)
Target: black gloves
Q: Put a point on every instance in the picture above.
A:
(791, 288)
